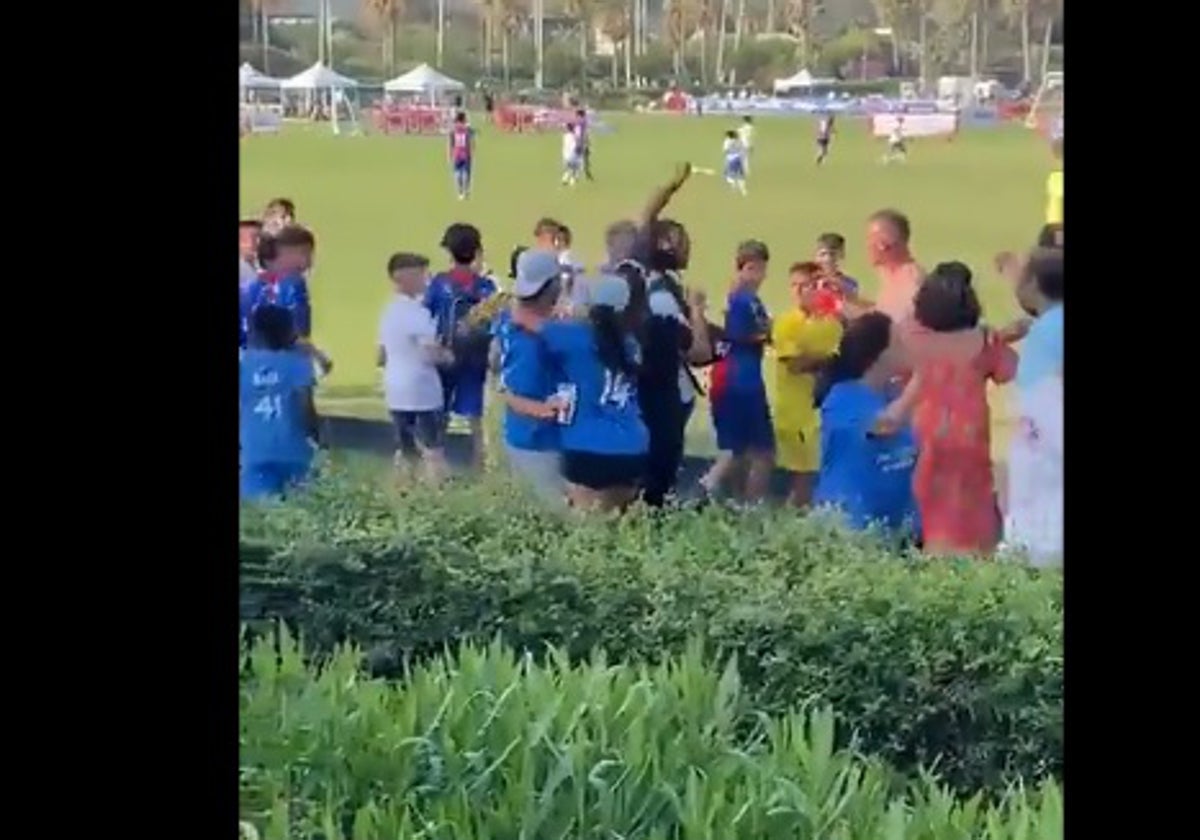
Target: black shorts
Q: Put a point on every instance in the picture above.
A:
(602, 472)
(822, 142)
(899, 147)
(419, 430)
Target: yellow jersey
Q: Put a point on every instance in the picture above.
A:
(795, 333)
(1054, 198)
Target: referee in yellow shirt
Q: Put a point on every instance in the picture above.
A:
(1054, 187)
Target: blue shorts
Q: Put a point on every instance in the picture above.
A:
(743, 423)
(260, 481)
(464, 395)
(463, 166)
(734, 170)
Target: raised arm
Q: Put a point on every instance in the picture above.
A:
(661, 197)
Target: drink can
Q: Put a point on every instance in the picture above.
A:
(567, 395)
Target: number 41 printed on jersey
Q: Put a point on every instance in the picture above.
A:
(269, 407)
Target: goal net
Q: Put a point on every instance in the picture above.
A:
(1046, 113)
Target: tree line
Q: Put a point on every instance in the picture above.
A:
(704, 42)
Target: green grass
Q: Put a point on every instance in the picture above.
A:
(367, 197)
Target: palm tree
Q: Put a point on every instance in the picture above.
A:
(510, 14)
(581, 11)
(385, 14)
(800, 17)
(614, 23)
(676, 28)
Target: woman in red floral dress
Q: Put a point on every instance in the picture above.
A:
(953, 358)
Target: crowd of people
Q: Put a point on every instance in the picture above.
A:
(880, 406)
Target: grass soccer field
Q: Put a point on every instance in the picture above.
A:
(367, 197)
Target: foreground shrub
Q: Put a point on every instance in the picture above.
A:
(952, 665)
(485, 745)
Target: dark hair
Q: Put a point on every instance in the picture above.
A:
(404, 260)
(611, 332)
(896, 220)
(832, 242)
(1045, 266)
(637, 312)
(748, 119)
(267, 251)
(564, 234)
(272, 327)
(512, 261)
(284, 204)
(946, 301)
(580, 112)
(295, 236)
(665, 238)
(460, 117)
(752, 250)
(864, 340)
(463, 241)
(731, 134)
(1050, 236)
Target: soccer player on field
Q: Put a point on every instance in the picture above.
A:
(824, 136)
(572, 159)
(1054, 187)
(462, 152)
(735, 162)
(896, 150)
(745, 133)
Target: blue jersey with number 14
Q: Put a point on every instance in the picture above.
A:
(273, 411)
(607, 419)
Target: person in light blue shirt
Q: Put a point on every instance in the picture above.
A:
(1040, 294)
(528, 379)
(278, 420)
(864, 474)
(603, 438)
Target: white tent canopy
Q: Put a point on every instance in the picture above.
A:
(249, 78)
(802, 79)
(318, 77)
(422, 79)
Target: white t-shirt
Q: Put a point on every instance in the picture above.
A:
(746, 135)
(569, 146)
(408, 336)
(664, 304)
(897, 135)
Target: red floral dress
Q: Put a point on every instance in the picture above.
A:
(953, 480)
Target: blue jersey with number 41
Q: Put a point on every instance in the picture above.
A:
(607, 418)
(273, 407)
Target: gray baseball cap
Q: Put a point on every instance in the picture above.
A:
(535, 269)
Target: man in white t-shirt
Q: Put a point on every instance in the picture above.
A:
(745, 133)
(409, 353)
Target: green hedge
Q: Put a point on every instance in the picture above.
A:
(950, 664)
(484, 744)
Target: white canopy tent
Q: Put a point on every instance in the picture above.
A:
(327, 88)
(251, 79)
(803, 80)
(423, 80)
(319, 77)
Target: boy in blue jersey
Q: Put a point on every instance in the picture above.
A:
(737, 392)
(278, 420)
(283, 283)
(450, 297)
(462, 152)
(527, 378)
